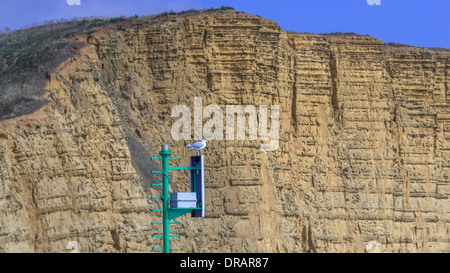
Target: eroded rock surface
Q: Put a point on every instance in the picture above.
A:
(364, 152)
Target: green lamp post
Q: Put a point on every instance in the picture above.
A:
(168, 212)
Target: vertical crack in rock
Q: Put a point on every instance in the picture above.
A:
(116, 239)
(447, 91)
(334, 88)
(294, 105)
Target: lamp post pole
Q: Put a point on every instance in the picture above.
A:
(165, 153)
(176, 211)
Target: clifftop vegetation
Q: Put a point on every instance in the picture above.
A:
(27, 56)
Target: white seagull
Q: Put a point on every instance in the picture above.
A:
(197, 146)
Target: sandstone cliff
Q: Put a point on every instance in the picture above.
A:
(364, 152)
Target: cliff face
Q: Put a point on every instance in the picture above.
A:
(364, 150)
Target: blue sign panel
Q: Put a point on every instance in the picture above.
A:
(198, 185)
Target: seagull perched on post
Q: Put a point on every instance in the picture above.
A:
(197, 146)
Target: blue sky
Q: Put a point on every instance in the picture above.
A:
(415, 22)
